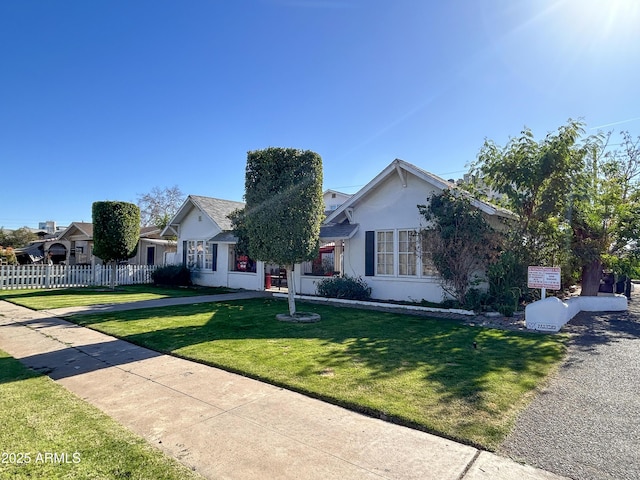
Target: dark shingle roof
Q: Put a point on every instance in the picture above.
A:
(224, 237)
(217, 209)
(338, 231)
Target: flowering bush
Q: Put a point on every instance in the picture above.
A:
(7, 256)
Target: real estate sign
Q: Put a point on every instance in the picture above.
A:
(544, 277)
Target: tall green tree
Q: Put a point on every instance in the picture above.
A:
(284, 208)
(577, 200)
(605, 215)
(17, 238)
(533, 179)
(116, 232)
(238, 225)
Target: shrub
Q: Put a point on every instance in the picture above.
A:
(507, 280)
(476, 300)
(7, 256)
(344, 287)
(174, 275)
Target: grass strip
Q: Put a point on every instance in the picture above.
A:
(49, 433)
(461, 382)
(43, 299)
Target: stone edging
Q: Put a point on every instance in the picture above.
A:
(417, 308)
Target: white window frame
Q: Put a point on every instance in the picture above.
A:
(199, 255)
(407, 249)
(382, 268)
(409, 257)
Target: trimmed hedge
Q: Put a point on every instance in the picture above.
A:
(172, 275)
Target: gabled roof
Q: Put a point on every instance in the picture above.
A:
(214, 208)
(401, 168)
(84, 228)
(149, 232)
(329, 190)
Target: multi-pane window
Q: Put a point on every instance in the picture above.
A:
(428, 268)
(199, 254)
(384, 253)
(208, 257)
(407, 258)
(402, 252)
(191, 260)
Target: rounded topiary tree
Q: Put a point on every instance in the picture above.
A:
(116, 231)
(284, 208)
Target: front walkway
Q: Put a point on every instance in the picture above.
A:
(228, 426)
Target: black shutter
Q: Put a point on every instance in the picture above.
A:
(184, 253)
(369, 253)
(214, 256)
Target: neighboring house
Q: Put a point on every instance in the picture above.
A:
(152, 248)
(333, 199)
(207, 246)
(74, 246)
(375, 234)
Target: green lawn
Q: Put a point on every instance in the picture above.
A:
(55, 435)
(42, 299)
(414, 370)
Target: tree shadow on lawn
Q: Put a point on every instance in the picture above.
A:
(14, 297)
(460, 359)
(8, 295)
(104, 293)
(11, 370)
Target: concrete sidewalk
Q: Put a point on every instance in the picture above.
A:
(162, 302)
(227, 426)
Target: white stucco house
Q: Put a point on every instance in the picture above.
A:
(207, 246)
(372, 234)
(375, 235)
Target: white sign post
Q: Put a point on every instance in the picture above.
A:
(544, 277)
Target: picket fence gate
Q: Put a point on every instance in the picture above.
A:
(14, 277)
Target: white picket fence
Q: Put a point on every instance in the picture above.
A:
(14, 277)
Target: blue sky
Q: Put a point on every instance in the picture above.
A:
(104, 100)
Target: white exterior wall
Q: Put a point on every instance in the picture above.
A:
(305, 284)
(159, 254)
(198, 226)
(330, 203)
(246, 280)
(391, 206)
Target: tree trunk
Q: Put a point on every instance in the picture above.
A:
(591, 275)
(291, 290)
